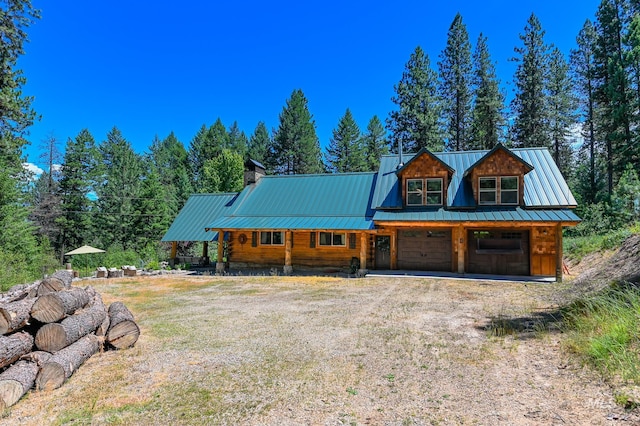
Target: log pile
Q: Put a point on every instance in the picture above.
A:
(49, 328)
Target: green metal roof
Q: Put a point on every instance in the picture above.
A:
(324, 201)
(544, 185)
(198, 211)
(484, 214)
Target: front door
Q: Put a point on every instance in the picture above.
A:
(383, 252)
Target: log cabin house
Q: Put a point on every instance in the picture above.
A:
(479, 212)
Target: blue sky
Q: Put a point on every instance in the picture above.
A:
(150, 68)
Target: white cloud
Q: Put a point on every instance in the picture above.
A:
(37, 171)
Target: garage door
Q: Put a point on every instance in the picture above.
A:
(424, 249)
(500, 252)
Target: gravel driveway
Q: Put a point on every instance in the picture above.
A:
(322, 350)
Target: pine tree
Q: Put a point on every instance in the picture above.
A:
(375, 143)
(152, 209)
(611, 94)
(345, 152)
(121, 174)
(170, 158)
(79, 168)
(561, 110)
(583, 70)
(207, 144)
(259, 144)
(415, 123)
(45, 200)
(18, 245)
(237, 140)
(295, 147)
(455, 83)
(531, 123)
(488, 106)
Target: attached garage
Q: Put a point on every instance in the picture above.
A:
(422, 249)
(500, 252)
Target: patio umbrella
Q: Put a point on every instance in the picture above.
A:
(84, 250)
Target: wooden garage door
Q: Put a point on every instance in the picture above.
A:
(424, 249)
(500, 252)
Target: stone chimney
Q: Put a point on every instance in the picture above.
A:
(253, 171)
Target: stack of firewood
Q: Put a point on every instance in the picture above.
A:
(49, 328)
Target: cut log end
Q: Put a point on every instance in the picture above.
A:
(48, 308)
(51, 376)
(123, 335)
(10, 392)
(51, 337)
(5, 321)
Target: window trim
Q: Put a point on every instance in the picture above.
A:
(271, 244)
(319, 240)
(424, 191)
(516, 190)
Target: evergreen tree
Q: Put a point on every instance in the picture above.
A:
(224, 173)
(561, 110)
(455, 84)
(583, 71)
(375, 143)
(121, 174)
(152, 211)
(45, 199)
(259, 143)
(295, 147)
(208, 143)
(625, 200)
(415, 122)
(611, 94)
(531, 123)
(170, 159)
(237, 140)
(345, 152)
(79, 168)
(488, 106)
(18, 245)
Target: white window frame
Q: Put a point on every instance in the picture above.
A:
(331, 240)
(516, 190)
(424, 192)
(427, 192)
(420, 192)
(271, 233)
(494, 190)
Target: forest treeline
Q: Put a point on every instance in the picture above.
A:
(583, 105)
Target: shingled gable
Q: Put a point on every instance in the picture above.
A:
(495, 165)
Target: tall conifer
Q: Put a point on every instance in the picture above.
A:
(345, 152)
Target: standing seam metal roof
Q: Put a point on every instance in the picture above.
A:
(198, 211)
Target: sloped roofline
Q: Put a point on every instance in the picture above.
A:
(496, 148)
(432, 155)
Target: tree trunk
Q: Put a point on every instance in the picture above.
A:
(15, 315)
(123, 330)
(55, 336)
(14, 346)
(53, 307)
(16, 380)
(59, 280)
(20, 292)
(64, 363)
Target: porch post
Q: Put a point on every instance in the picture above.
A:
(462, 244)
(559, 253)
(288, 268)
(205, 252)
(363, 255)
(174, 253)
(393, 255)
(220, 254)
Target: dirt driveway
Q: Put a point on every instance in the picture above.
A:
(310, 350)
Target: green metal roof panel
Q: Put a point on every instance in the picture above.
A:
(544, 185)
(497, 214)
(198, 211)
(323, 201)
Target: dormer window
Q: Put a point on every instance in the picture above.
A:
(424, 192)
(508, 190)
